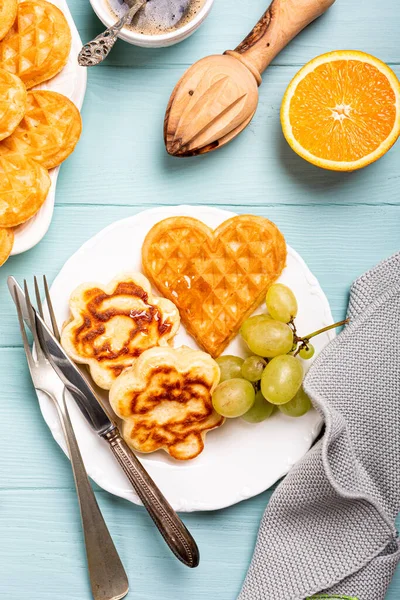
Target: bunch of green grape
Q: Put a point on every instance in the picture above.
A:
(272, 377)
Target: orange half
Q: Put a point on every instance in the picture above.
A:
(342, 110)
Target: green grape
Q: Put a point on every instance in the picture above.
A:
(307, 352)
(297, 406)
(233, 398)
(260, 411)
(253, 368)
(281, 379)
(251, 324)
(230, 367)
(269, 338)
(281, 303)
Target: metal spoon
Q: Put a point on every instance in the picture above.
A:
(94, 52)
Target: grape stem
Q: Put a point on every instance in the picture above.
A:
(306, 338)
(304, 341)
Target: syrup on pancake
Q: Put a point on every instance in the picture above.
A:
(112, 325)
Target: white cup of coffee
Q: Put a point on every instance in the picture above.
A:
(150, 31)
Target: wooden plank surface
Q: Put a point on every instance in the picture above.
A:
(43, 557)
(123, 161)
(373, 29)
(342, 224)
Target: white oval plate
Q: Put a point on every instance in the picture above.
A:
(71, 82)
(240, 459)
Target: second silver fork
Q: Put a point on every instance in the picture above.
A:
(107, 575)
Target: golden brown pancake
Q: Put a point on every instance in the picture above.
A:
(111, 325)
(165, 401)
(215, 278)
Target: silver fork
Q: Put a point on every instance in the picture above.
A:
(107, 575)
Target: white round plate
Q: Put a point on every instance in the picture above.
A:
(71, 82)
(240, 459)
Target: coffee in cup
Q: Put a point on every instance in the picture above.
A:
(157, 17)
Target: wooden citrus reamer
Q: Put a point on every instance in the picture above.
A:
(217, 96)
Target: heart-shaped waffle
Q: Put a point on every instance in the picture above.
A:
(8, 12)
(49, 131)
(12, 102)
(24, 185)
(38, 44)
(215, 278)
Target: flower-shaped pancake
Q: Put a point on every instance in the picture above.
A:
(111, 325)
(165, 401)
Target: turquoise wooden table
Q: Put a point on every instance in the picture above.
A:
(341, 224)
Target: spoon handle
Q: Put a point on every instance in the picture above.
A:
(282, 21)
(94, 52)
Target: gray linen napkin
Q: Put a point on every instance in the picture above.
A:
(330, 525)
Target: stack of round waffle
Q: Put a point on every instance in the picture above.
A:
(38, 129)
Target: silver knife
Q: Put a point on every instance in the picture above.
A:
(165, 518)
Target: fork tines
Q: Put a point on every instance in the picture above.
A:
(32, 320)
(30, 315)
(49, 306)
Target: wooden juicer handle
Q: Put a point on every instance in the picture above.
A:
(282, 21)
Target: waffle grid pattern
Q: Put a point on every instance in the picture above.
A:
(216, 280)
(49, 131)
(38, 44)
